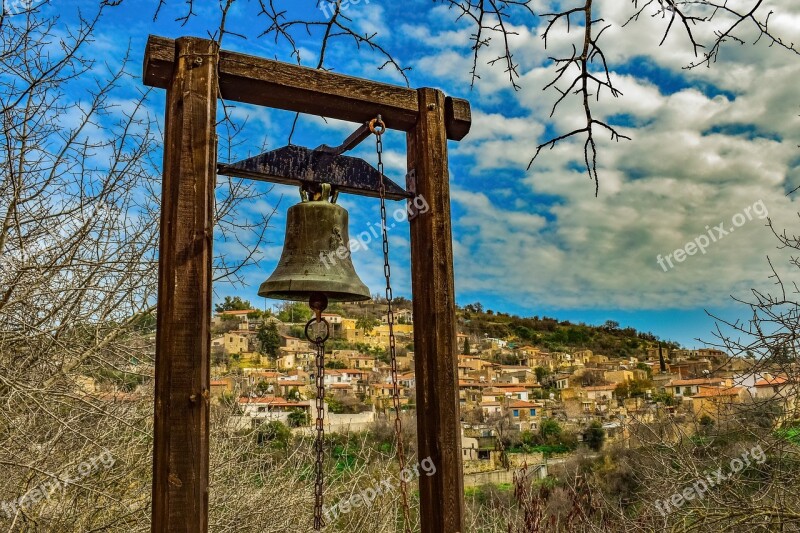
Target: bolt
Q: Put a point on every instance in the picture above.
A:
(198, 61)
(431, 107)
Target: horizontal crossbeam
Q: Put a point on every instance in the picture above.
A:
(270, 83)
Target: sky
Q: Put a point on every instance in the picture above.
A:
(712, 157)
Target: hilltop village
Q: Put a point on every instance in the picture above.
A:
(528, 387)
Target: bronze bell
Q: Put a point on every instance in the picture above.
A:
(315, 262)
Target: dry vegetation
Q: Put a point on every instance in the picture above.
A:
(78, 196)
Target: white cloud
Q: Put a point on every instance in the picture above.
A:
(658, 191)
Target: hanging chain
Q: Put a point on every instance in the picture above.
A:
(319, 442)
(378, 127)
(319, 474)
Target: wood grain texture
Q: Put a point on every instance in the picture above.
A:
(438, 420)
(183, 340)
(255, 80)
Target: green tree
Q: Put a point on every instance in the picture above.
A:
(595, 436)
(269, 339)
(634, 388)
(297, 418)
(646, 368)
(294, 395)
(367, 323)
(233, 304)
(295, 312)
(275, 434)
(466, 346)
(541, 373)
(262, 387)
(706, 423)
(550, 430)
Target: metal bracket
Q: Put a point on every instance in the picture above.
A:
(355, 138)
(296, 165)
(411, 188)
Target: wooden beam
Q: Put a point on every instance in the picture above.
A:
(183, 340)
(265, 82)
(435, 346)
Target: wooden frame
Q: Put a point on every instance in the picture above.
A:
(195, 73)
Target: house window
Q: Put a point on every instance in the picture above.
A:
(533, 412)
(262, 409)
(516, 412)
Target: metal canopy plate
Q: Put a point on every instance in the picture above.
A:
(295, 165)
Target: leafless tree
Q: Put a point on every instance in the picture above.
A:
(79, 204)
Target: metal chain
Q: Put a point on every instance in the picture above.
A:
(387, 271)
(319, 442)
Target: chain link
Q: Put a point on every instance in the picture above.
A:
(319, 442)
(387, 271)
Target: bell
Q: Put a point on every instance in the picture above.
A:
(315, 263)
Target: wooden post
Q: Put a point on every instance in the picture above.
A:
(183, 341)
(438, 420)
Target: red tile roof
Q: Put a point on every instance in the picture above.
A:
(699, 381)
(519, 404)
(770, 381)
(712, 392)
(600, 387)
(273, 401)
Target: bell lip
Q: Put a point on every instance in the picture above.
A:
(303, 296)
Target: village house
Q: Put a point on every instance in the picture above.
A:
(477, 444)
(236, 342)
(405, 361)
(254, 376)
(769, 387)
(719, 403)
(383, 398)
(401, 316)
(264, 409)
(524, 414)
(293, 360)
(491, 408)
(691, 369)
(240, 317)
(222, 386)
(561, 381)
(783, 391)
(361, 362)
(294, 344)
(341, 389)
(287, 388)
(470, 393)
(618, 376)
(516, 374)
(583, 357)
(690, 387)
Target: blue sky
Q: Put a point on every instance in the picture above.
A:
(709, 146)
